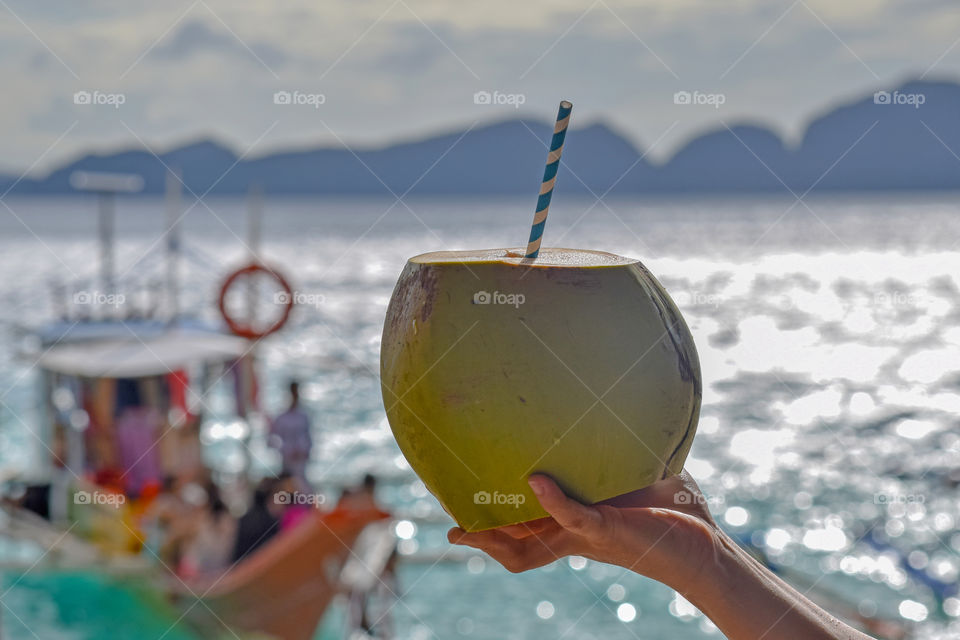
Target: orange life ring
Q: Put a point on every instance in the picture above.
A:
(245, 330)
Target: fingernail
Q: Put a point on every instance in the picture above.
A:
(536, 485)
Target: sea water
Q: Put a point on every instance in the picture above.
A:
(829, 338)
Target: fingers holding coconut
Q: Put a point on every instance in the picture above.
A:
(573, 516)
(652, 531)
(531, 528)
(515, 555)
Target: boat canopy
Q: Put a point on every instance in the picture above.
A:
(135, 356)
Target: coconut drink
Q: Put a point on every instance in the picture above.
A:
(499, 363)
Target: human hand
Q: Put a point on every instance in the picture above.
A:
(663, 531)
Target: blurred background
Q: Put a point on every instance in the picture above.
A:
(789, 171)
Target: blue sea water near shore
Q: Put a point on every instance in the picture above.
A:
(829, 338)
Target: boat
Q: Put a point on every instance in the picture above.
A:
(120, 384)
(284, 589)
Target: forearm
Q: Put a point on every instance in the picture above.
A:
(748, 602)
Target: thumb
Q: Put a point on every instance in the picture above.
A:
(573, 516)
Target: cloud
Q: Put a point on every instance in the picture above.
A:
(195, 37)
(399, 70)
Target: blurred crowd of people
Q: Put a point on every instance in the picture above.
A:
(172, 509)
(190, 528)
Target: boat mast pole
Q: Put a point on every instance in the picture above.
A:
(106, 186)
(106, 232)
(174, 211)
(254, 236)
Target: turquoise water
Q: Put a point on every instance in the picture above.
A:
(74, 606)
(828, 339)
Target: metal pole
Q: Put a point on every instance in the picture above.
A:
(254, 232)
(174, 211)
(254, 235)
(106, 241)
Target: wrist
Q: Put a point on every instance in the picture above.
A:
(717, 575)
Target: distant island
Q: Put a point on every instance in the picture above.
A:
(895, 139)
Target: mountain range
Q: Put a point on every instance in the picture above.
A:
(905, 138)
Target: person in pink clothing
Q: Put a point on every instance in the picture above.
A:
(138, 429)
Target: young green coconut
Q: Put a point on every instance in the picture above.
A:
(576, 364)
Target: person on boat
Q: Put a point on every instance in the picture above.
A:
(259, 523)
(664, 532)
(181, 450)
(170, 522)
(361, 497)
(205, 553)
(290, 434)
(138, 429)
(289, 502)
(160, 520)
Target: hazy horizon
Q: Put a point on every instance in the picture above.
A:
(790, 138)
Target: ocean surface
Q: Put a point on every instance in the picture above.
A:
(829, 339)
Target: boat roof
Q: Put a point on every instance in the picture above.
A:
(134, 350)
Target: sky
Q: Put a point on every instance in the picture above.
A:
(364, 73)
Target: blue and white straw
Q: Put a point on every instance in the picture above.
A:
(549, 177)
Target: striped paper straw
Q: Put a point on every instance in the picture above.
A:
(549, 177)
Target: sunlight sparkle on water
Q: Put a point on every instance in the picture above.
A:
(777, 539)
(627, 612)
(545, 610)
(819, 405)
(913, 610)
(736, 516)
(828, 538)
(405, 529)
(682, 608)
(616, 592)
(861, 403)
(915, 429)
